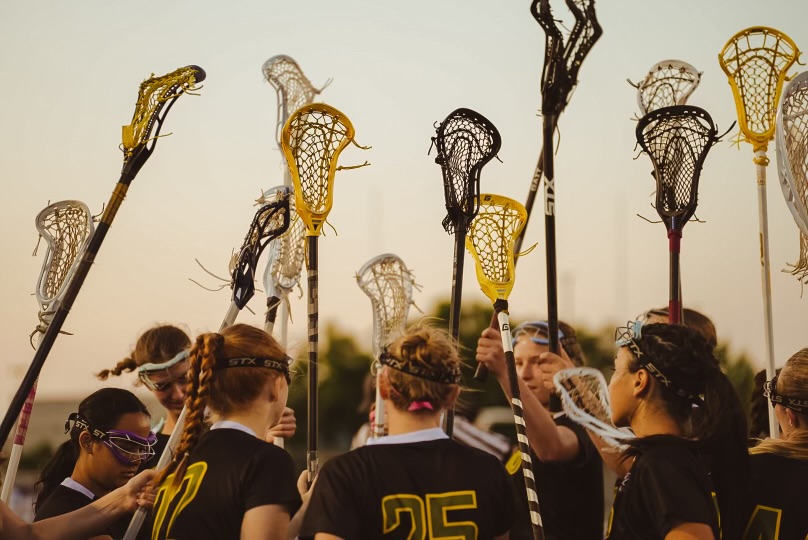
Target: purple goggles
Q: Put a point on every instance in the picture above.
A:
(127, 447)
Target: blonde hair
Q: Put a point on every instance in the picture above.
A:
(430, 349)
(792, 382)
(155, 345)
(224, 391)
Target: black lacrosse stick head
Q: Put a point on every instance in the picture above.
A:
(677, 139)
(562, 61)
(271, 221)
(466, 141)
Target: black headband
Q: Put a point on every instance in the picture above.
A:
(82, 424)
(257, 362)
(770, 391)
(453, 376)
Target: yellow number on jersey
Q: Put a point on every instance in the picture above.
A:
(432, 516)
(764, 524)
(165, 497)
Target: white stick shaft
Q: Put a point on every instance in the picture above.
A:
(766, 283)
(140, 515)
(11, 474)
(284, 315)
(380, 423)
(230, 317)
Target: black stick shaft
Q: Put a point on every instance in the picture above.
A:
(272, 313)
(550, 245)
(675, 297)
(312, 461)
(519, 422)
(454, 306)
(66, 304)
(481, 373)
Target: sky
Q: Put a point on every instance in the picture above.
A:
(70, 73)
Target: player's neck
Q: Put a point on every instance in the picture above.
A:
(401, 422)
(81, 474)
(650, 420)
(256, 418)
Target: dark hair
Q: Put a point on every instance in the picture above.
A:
(158, 344)
(685, 358)
(759, 409)
(694, 320)
(102, 410)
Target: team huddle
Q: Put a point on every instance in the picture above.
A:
(687, 473)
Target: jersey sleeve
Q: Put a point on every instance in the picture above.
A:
(586, 450)
(333, 508)
(269, 478)
(507, 501)
(676, 491)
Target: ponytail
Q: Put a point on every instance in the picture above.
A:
(155, 345)
(59, 467)
(127, 364)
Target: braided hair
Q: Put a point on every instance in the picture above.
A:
(158, 344)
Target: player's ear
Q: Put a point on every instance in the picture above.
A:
(86, 442)
(641, 383)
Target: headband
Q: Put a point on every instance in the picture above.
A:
(452, 376)
(156, 366)
(257, 362)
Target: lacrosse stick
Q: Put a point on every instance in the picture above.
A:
(465, 142)
(562, 61)
(585, 399)
(388, 283)
(66, 227)
(270, 221)
(312, 140)
(490, 241)
(155, 98)
(756, 61)
(677, 140)
(667, 83)
(792, 161)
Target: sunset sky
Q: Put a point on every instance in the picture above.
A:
(70, 73)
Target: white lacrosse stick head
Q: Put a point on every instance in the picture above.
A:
(66, 227)
(286, 253)
(388, 283)
(792, 149)
(667, 83)
(292, 87)
(585, 398)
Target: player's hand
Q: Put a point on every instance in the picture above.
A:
(552, 364)
(490, 352)
(286, 426)
(137, 493)
(303, 485)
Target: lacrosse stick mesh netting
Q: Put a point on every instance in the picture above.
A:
(668, 83)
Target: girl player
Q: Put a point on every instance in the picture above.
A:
(228, 482)
(414, 482)
(680, 460)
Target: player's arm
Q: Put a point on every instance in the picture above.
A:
(690, 531)
(612, 457)
(267, 522)
(305, 494)
(550, 442)
(82, 523)
(326, 536)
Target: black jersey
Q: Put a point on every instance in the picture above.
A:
(779, 498)
(668, 484)
(64, 500)
(433, 488)
(570, 493)
(229, 472)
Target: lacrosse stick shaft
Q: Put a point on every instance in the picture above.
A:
(230, 316)
(765, 275)
(16, 449)
(379, 426)
(481, 373)
(521, 430)
(173, 440)
(73, 288)
(284, 306)
(674, 296)
(312, 462)
(454, 307)
(272, 314)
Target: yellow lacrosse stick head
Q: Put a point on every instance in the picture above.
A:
(490, 241)
(312, 140)
(756, 61)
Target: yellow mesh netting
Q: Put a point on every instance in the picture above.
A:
(153, 94)
(388, 283)
(756, 61)
(490, 241)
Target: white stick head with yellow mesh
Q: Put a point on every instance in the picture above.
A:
(66, 227)
(792, 149)
(756, 61)
(292, 87)
(312, 140)
(490, 240)
(667, 83)
(388, 283)
(585, 398)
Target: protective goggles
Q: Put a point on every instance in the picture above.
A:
(155, 376)
(533, 329)
(770, 392)
(127, 447)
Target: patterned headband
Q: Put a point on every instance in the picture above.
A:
(258, 362)
(453, 376)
